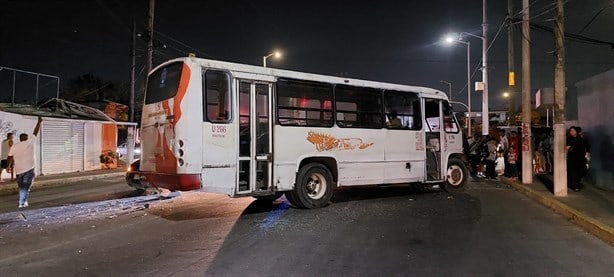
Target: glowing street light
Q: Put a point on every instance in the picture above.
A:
(275, 54)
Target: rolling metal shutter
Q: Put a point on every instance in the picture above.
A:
(62, 147)
(78, 147)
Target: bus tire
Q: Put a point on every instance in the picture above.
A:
(456, 176)
(292, 201)
(313, 188)
(269, 198)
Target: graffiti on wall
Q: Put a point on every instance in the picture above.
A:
(6, 127)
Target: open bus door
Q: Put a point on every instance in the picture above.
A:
(433, 129)
(255, 140)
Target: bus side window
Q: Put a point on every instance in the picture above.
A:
(303, 103)
(358, 107)
(217, 97)
(449, 121)
(402, 110)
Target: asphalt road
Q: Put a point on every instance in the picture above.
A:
(491, 230)
(70, 194)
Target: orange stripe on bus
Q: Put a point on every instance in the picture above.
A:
(181, 91)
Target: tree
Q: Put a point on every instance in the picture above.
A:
(88, 87)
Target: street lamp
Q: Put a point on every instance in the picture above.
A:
(449, 40)
(485, 123)
(275, 54)
(449, 88)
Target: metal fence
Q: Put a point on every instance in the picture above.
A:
(27, 88)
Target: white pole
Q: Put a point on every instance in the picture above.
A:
(485, 122)
(469, 89)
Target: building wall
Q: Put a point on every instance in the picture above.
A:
(93, 145)
(595, 114)
(18, 124)
(96, 137)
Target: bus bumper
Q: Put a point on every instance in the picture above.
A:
(172, 182)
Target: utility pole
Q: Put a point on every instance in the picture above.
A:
(485, 115)
(132, 72)
(150, 28)
(527, 153)
(511, 82)
(560, 163)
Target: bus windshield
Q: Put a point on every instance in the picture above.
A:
(163, 83)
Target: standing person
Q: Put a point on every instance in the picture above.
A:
(545, 147)
(512, 157)
(6, 146)
(515, 143)
(474, 153)
(587, 148)
(490, 159)
(22, 157)
(483, 153)
(503, 141)
(576, 164)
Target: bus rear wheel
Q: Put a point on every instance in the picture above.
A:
(456, 176)
(313, 188)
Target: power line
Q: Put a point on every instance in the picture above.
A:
(481, 61)
(184, 44)
(574, 37)
(595, 16)
(523, 10)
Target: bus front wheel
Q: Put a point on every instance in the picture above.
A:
(313, 188)
(269, 198)
(456, 176)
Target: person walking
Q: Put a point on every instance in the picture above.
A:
(6, 146)
(576, 163)
(22, 157)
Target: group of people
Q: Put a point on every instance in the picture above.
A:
(19, 158)
(491, 156)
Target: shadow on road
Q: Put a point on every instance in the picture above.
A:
(365, 231)
(205, 205)
(376, 192)
(342, 195)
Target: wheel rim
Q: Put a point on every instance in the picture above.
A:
(455, 175)
(316, 186)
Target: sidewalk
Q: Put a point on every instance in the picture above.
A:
(10, 187)
(591, 208)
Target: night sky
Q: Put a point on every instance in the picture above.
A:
(390, 41)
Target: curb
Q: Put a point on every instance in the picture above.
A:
(593, 226)
(57, 182)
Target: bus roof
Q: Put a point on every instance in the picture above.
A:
(281, 73)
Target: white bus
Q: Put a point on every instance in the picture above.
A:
(245, 130)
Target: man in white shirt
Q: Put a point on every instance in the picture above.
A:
(21, 157)
(6, 146)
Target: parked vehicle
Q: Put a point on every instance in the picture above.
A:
(122, 150)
